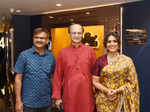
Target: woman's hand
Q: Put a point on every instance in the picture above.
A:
(122, 88)
(125, 86)
(113, 97)
(111, 94)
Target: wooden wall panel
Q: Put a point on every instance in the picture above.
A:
(107, 16)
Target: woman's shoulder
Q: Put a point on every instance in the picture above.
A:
(102, 60)
(125, 57)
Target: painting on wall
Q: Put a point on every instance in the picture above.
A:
(136, 36)
(90, 40)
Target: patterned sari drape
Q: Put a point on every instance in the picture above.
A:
(114, 75)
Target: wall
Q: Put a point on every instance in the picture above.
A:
(136, 15)
(107, 16)
(24, 26)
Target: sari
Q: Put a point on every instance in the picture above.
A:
(114, 75)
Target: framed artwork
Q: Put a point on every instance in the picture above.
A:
(136, 36)
(93, 36)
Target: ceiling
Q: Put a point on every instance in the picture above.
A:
(92, 16)
(34, 7)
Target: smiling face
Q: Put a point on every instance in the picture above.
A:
(112, 44)
(40, 40)
(76, 32)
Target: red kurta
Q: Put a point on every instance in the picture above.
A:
(74, 66)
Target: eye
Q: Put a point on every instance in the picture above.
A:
(112, 41)
(74, 33)
(41, 38)
(115, 41)
(109, 41)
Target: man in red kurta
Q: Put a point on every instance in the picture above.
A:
(73, 72)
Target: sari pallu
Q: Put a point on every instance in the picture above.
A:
(121, 73)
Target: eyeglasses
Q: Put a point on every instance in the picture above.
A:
(74, 33)
(41, 38)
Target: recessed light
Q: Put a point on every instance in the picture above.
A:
(18, 11)
(12, 10)
(3, 18)
(71, 19)
(87, 13)
(58, 5)
(51, 17)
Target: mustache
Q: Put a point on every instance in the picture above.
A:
(38, 42)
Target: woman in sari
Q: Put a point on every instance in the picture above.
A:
(115, 79)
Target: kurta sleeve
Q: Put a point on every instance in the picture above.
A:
(58, 78)
(93, 59)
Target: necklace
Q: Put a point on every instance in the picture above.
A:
(112, 59)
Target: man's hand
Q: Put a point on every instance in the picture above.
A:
(19, 106)
(58, 102)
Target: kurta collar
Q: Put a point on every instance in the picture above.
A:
(80, 45)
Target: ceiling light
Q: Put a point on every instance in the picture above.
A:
(71, 19)
(12, 10)
(58, 5)
(18, 11)
(3, 18)
(87, 13)
(51, 17)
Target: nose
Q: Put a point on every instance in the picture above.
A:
(112, 42)
(38, 40)
(76, 34)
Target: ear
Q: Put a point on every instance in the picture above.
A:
(69, 35)
(47, 40)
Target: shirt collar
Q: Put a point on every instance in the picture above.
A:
(34, 51)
